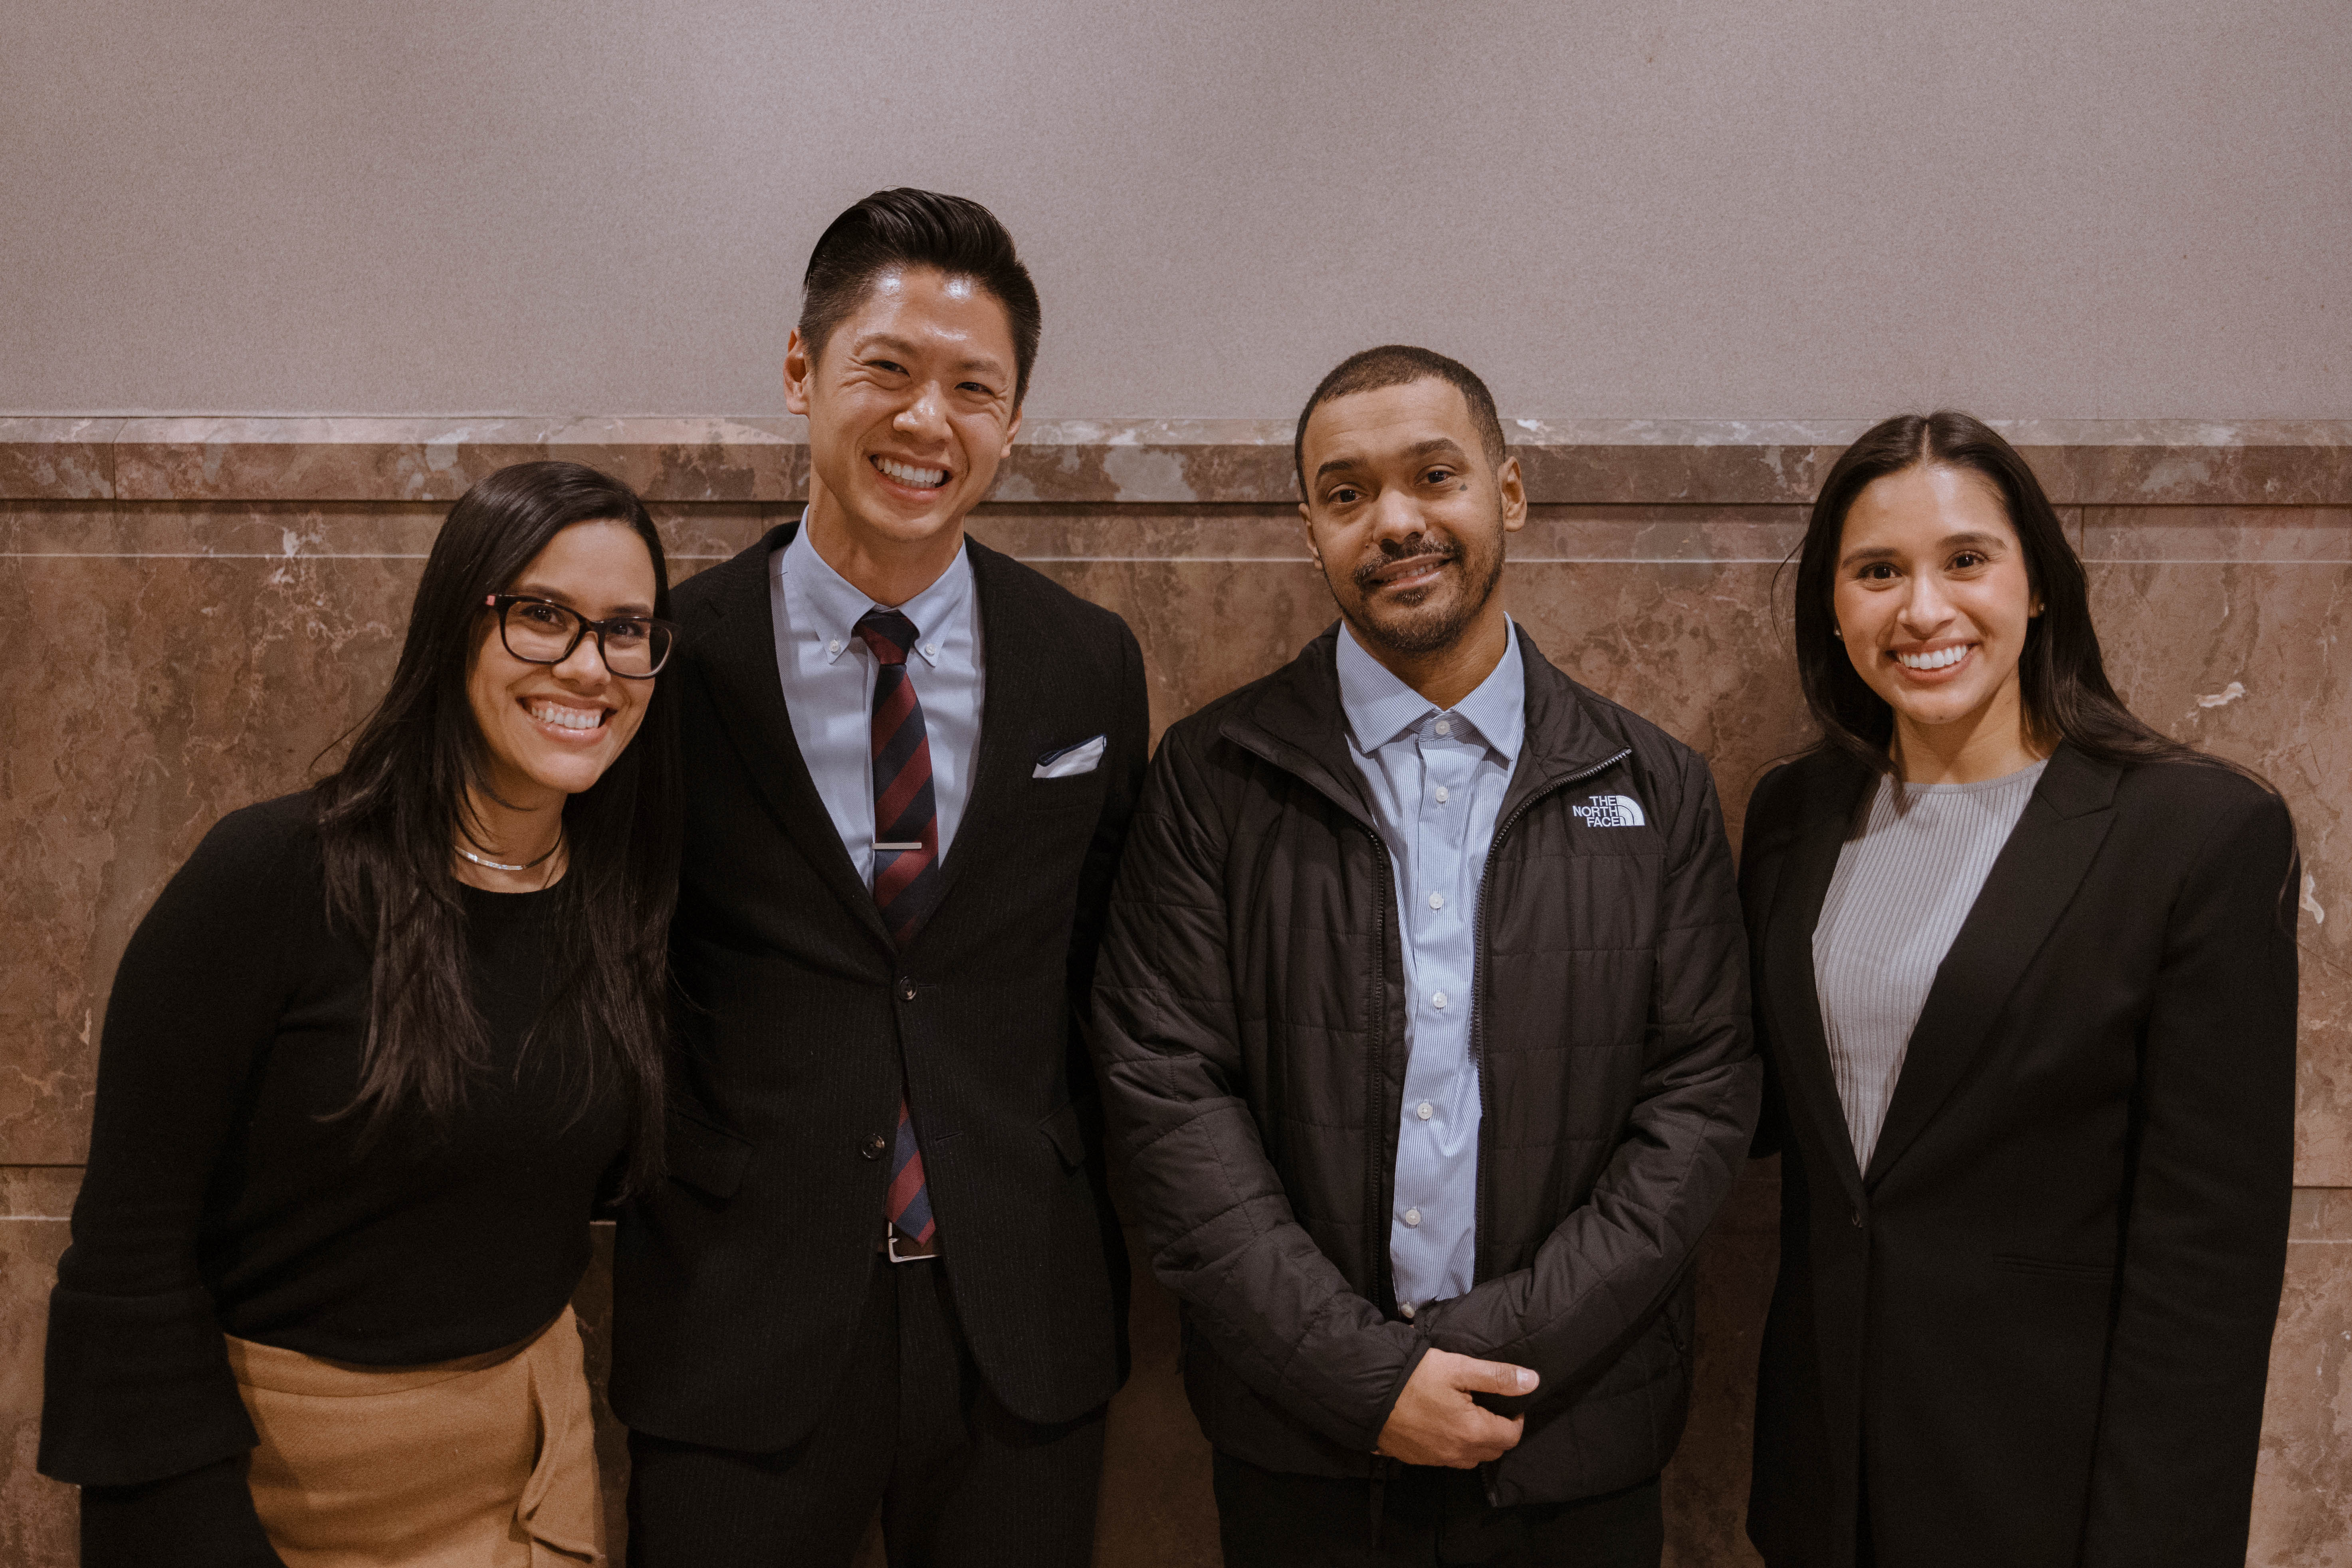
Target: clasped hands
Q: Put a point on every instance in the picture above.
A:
(1435, 1421)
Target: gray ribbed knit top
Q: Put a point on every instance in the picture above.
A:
(1902, 889)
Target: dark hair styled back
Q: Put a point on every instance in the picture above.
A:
(1397, 365)
(906, 227)
(390, 817)
(2061, 677)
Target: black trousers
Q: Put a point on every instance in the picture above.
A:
(1424, 1517)
(912, 1429)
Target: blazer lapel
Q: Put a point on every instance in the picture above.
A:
(1022, 691)
(737, 659)
(2028, 888)
(1809, 1087)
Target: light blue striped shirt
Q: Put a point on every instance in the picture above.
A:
(828, 676)
(1437, 783)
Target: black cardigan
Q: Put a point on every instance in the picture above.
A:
(2035, 1331)
(222, 1196)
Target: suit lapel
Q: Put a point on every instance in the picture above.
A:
(737, 659)
(1021, 692)
(1810, 1086)
(2028, 888)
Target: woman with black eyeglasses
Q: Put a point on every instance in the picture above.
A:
(369, 1062)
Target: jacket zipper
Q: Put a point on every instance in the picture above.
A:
(1488, 1474)
(1478, 997)
(1384, 1178)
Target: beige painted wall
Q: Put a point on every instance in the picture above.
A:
(2098, 209)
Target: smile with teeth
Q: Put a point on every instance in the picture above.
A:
(908, 474)
(567, 717)
(1943, 657)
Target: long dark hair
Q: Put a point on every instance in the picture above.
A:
(2061, 678)
(389, 817)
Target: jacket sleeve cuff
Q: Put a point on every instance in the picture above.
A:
(137, 1388)
(1420, 1347)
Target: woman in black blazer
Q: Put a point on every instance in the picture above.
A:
(2025, 976)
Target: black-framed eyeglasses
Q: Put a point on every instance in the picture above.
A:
(540, 631)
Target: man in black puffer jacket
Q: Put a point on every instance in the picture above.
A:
(1391, 1212)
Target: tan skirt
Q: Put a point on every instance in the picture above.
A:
(486, 1462)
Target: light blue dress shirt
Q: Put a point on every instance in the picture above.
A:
(1437, 783)
(828, 675)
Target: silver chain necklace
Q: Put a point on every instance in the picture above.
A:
(502, 866)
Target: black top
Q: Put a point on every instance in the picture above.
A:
(224, 1194)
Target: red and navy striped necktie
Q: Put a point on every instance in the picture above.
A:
(905, 864)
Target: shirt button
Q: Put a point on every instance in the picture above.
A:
(1441, 794)
(930, 650)
(906, 991)
(1446, 727)
(1405, 1310)
(833, 647)
(1412, 1218)
(1424, 1110)
(874, 1147)
(1437, 1000)
(1437, 901)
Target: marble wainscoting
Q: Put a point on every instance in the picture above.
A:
(207, 605)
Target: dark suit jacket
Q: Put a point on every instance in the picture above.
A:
(738, 1280)
(2035, 1331)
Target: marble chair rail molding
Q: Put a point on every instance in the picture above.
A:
(1119, 461)
(201, 604)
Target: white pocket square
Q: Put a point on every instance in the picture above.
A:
(1072, 760)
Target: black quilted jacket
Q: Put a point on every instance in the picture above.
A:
(1250, 1023)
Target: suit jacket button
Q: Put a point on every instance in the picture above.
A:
(874, 1147)
(1857, 1219)
(907, 990)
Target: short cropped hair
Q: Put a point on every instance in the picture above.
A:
(1397, 365)
(907, 228)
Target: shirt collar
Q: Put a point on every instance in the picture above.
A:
(1380, 706)
(837, 605)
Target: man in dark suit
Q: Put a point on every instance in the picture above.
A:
(884, 1270)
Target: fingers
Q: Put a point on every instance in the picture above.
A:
(1476, 1377)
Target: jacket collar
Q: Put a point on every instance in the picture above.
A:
(1830, 790)
(1293, 719)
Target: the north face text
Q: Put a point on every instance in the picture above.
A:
(1613, 811)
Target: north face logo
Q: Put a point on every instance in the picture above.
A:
(1613, 811)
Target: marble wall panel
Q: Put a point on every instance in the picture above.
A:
(199, 652)
(413, 459)
(1705, 1484)
(2233, 629)
(166, 693)
(2302, 1485)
